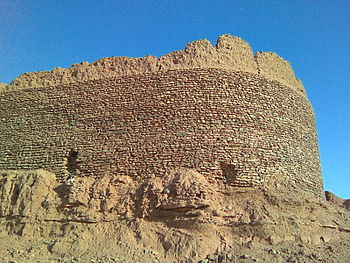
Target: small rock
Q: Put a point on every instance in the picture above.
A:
(221, 258)
(250, 244)
(285, 250)
(211, 257)
(244, 256)
(273, 252)
(313, 256)
(230, 257)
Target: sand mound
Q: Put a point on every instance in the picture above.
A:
(180, 217)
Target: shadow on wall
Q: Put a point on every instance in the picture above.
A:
(72, 163)
(229, 171)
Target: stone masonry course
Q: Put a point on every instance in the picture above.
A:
(244, 122)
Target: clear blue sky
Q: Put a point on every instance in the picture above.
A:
(313, 34)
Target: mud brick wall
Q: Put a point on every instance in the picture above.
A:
(230, 52)
(234, 127)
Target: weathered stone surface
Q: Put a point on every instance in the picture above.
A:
(232, 126)
(346, 204)
(230, 52)
(273, 67)
(208, 153)
(179, 191)
(178, 216)
(28, 194)
(331, 197)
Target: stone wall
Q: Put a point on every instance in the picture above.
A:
(230, 52)
(234, 127)
(271, 66)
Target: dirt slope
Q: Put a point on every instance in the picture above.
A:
(178, 218)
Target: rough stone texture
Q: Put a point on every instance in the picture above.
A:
(203, 155)
(235, 127)
(230, 52)
(347, 204)
(273, 67)
(28, 194)
(179, 217)
(330, 197)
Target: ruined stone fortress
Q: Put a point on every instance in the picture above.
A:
(241, 120)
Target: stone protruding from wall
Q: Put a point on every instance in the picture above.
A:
(230, 52)
(273, 67)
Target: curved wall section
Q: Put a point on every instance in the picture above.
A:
(229, 53)
(236, 128)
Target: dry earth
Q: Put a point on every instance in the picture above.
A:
(177, 218)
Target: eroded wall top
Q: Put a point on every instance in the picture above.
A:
(273, 67)
(230, 52)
